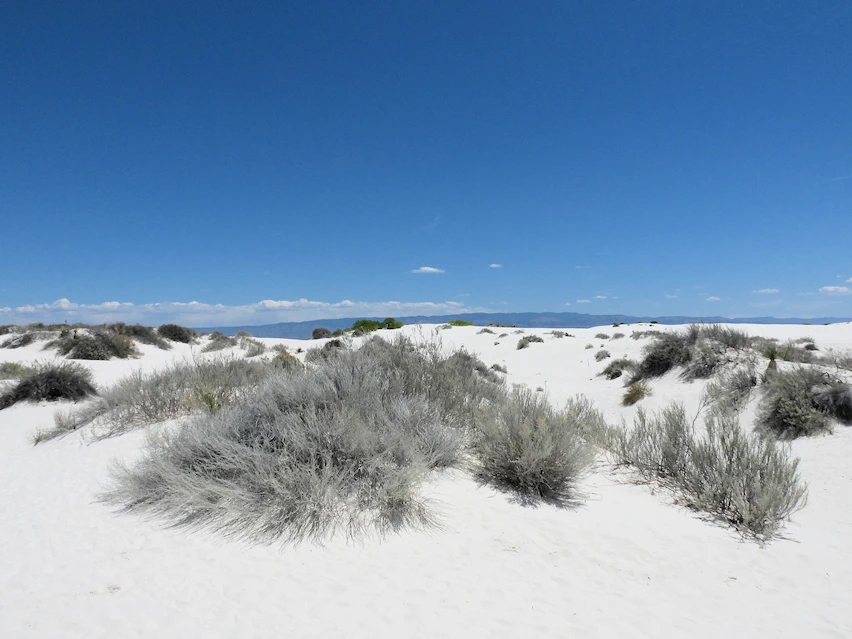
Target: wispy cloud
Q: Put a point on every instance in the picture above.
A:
(835, 290)
(600, 297)
(567, 303)
(202, 314)
(712, 298)
(767, 291)
(427, 269)
(670, 296)
(584, 301)
(840, 179)
(495, 266)
(581, 267)
(849, 281)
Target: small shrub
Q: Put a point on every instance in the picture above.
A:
(588, 346)
(177, 333)
(219, 341)
(286, 360)
(635, 392)
(644, 334)
(788, 409)
(252, 347)
(243, 334)
(667, 351)
(791, 352)
(531, 448)
(51, 382)
(502, 335)
(601, 336)
(19, 341)
(140, 333)
(484, 331)
(499, 369)
(733, 388)
(329, 349)
(617, 336)
(460, 322)
(338, 332)
(14, 370)
(524, 342)
(97, 345)
(616, 368)
(704, 359)
(320, 333)
(727, 336)
(601, 355)
(811, 347)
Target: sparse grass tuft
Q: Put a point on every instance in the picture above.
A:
(616, 368)
(617, 336)
(51, 382)
(14, 370)
(484, 331)
(635, 392)
(732, 389)
(140, 333)
(601, 355)
(499, 369)
(218, 341)
(601, 336)
(252, 347)
(525, 342)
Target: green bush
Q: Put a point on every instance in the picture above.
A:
(99, 344)
(177, 333)
(459, 322)
(140, 333)
(802, 401)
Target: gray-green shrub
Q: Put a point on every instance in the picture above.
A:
(788, 408)
(51, 382)
(525, 342)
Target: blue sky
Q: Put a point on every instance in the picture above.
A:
(261, 162)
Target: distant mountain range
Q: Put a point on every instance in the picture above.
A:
(303, 330)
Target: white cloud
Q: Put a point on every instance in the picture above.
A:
(495, 266)
(835, 290)
(196, 313)
(567, 303)
(712, 298)
(600, 297)
(767, 291)
(427, 269)
(584, 301)
(849, 281)
(671, 297)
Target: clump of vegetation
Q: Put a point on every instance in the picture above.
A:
(141, 399)
(560, 334)
(285, 359)
(617, 336)
(502, 335)
(241, 334)
(140, 333)
(745, 480)
(320, 333)
(502, 325)
(98, 344)
(601, 336)
(644, 334)
(534, 449)
(51, 382)
(636, 392)
(177, 333)
(601, 355)
(219, 341)
(803, 401)
(727, 336)
(14, 370)
(588, 346)
(732, 389)
(667, 351)
(459, 322)
(329, 349)
(616, 368)
(252, 347)
(19, 341)
(525, 342)
(364, 326)
(499, 369)
(484, 331)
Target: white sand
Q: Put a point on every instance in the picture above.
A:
(628, 563)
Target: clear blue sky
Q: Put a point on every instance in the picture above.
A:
(649, 157)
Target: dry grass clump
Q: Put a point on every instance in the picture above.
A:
(601, 355)
(51, 382)
(97, 344)
(252, 347)
(485, 331)
(140, 333)
(617, 336)
(500, 369)
(733, 388)
(803, 401)
(636, 392)
(283, 358)
(601, 336)
(525, 342)
(219, 341)
(14, 370)
(617, 367)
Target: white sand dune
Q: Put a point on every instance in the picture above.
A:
(627, 563)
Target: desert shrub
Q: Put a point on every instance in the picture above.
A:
(140, 333)
(834, 398)
(5, 329)
(459, 322)
(329, 349)
(617, 336)
(804, 340)
(745, 480)
(14, 370)
(810, 346)
(644, 334)
(502, 335)
(601, 336)
(219, 341)
(240, 334)
(320, 333)
(284, 359)
(788, 408)
(99, 344)
(19, 341)
(635, 392)
(705, 358)
(177, 333)
(303, 457)
(499, 369)
(338, 332)
(141, 399)
(532, 448)
(732, 389)
(791, 352)
(485, 330)
(667, 351)
(589, 346)
(601, 355)
(51, 382)
(727, 336)
(252, 347)
(444, 327)
(616, 368)
(502, 325)
(524, 342)
(840, 360)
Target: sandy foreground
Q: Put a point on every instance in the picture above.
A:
(627, 563)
